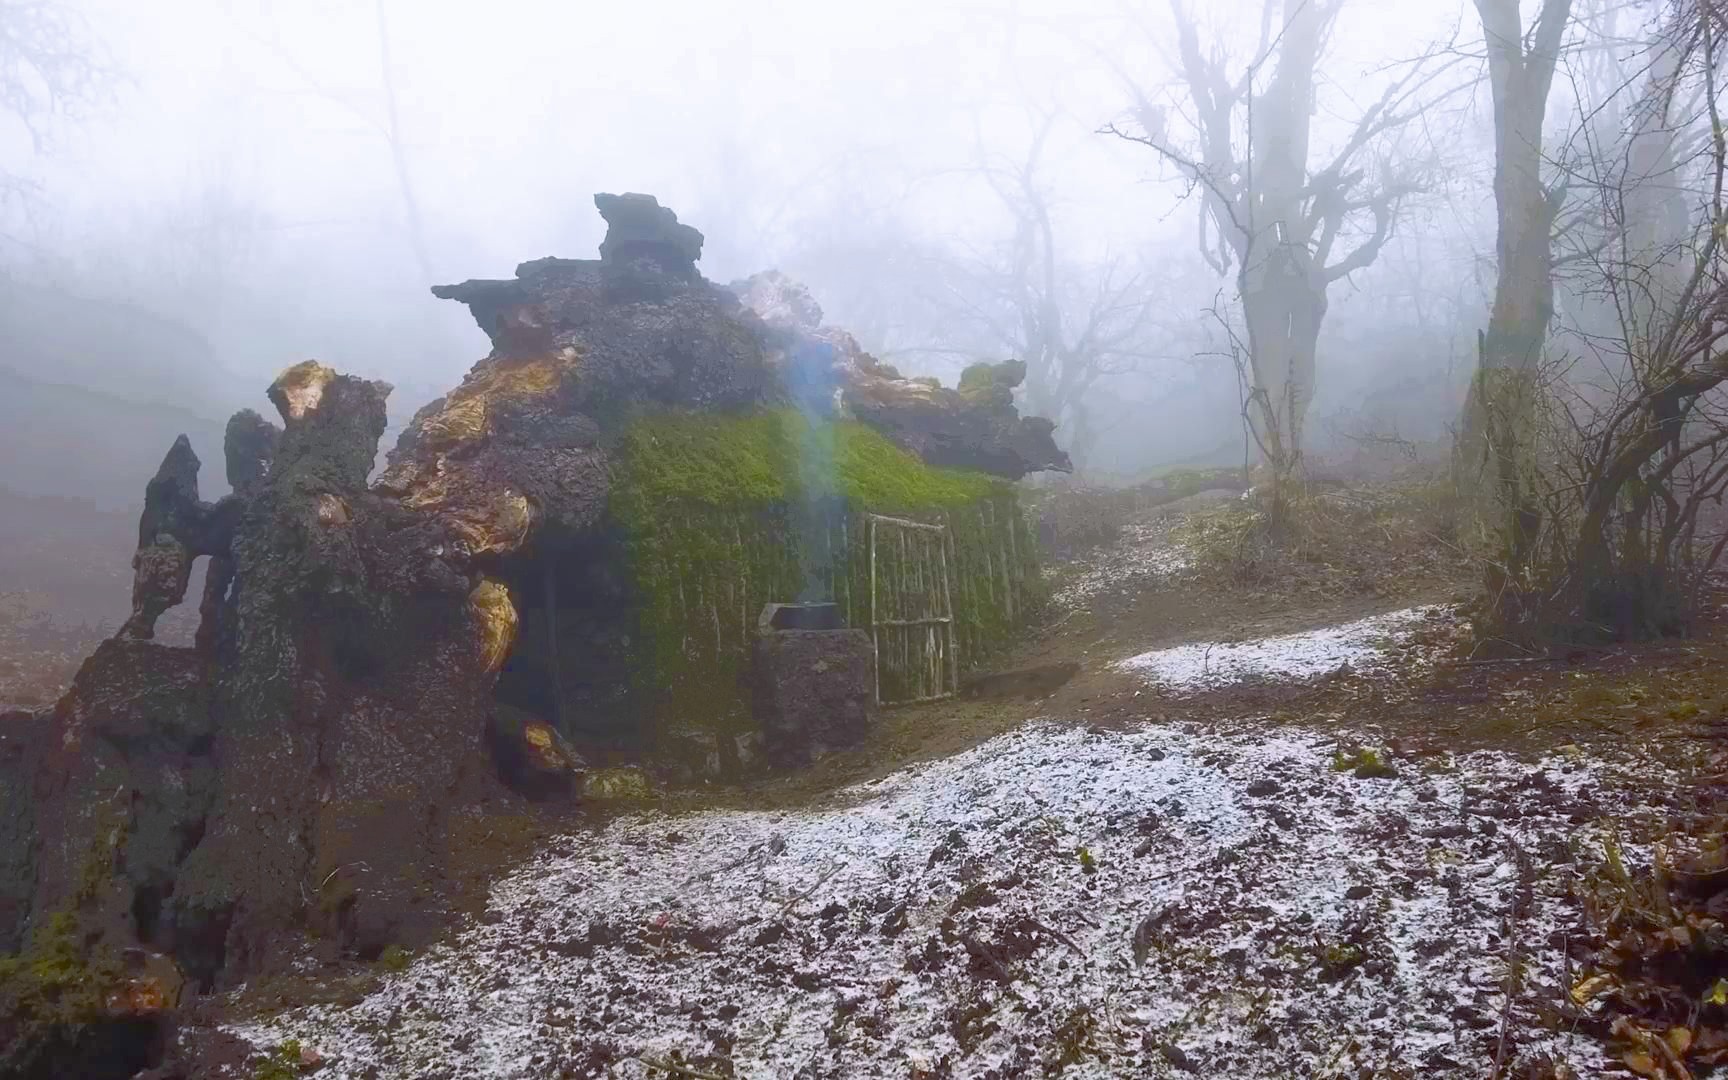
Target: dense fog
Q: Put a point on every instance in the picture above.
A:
(258, 183)
(1229, 583)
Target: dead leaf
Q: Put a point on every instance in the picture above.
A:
(1679, 1040)
(1144, 936)
(1591, 988)
(1717, 994)
(1641, 1063)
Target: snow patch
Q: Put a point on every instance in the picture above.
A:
(1154, 903)
(1143, 559)
(1210, 664)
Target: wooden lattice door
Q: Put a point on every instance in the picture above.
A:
(911, 611)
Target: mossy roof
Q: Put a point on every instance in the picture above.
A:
(732, 461)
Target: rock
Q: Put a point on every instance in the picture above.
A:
(290, 783)
(123, 782)
(494, 615)
(975, 426)
(976, 429)
(152, 984)
(249, 447)
(638, 227)
(780, 301)
(163, 564)
(23, 740)
(991, 386)
(1263, 787)
(813, 690)
(327, 721)
(1358, 892)
(533, 758)
(621, 783)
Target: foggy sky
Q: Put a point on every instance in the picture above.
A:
(255, 128)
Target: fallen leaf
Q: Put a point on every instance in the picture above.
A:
(1679, 1040)
(1717, 994)
(1145, 935)
(1641, 1063)
(1591, 988)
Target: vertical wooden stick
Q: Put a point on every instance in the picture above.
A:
(875, 627)
(948, 610)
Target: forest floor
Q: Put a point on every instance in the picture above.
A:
(1278, 824)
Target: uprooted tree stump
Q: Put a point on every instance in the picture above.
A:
(292, 783)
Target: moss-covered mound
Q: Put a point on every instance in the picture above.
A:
(709, 506)
(729, 461)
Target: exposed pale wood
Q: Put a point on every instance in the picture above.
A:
(948, 604)
(905, 523)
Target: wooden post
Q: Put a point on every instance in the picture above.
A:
(948, 605)
(744, 590)
(875, 626)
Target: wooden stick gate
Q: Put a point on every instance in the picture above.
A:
(911, 611)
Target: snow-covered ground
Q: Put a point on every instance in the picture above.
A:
(1164, 901)
(1143, 559)
(1359, 645)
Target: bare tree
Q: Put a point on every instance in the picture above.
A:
(1623, 458)
(392, 129)
(1289, 227)
(388, 128)
(48, 72)
(1073, 323)
(1494, 435)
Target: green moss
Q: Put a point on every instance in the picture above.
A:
(706, 505)
(752, 460)
(58, 987)
(281, 1063)
(1339, 958)
(51, 993)
(394, 958)
(1366, 763)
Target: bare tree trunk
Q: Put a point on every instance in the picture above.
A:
(398, 157)
(1283, 308)
(1495, 436)
(1283, 292)
(1656, 220)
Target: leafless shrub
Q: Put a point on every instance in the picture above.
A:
(1623, 451)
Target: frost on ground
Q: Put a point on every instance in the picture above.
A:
(1158, 902)
(1143, 559)
(1359, 645)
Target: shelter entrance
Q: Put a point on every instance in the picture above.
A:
(912, 611)
(570, 662)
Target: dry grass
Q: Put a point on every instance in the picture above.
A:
(1373, 539)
